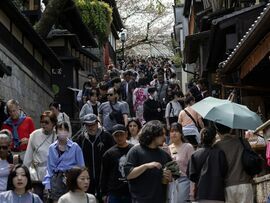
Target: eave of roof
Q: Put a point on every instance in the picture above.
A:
(89, 54)
(72, 38)
(215, 28)
(24, 25)
(76, 43)
(256, 32)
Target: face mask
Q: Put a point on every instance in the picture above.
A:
(155, 96)
(62, 135)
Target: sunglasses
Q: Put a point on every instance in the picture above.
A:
(4, 147)
(132, 119)
(110, 94)
(45, 122)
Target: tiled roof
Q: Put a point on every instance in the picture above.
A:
(248, 34)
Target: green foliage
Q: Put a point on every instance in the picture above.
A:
(177, 59)
(178, 2)
(160, 8)
(155, 7)
(97, 15)
(55, 89)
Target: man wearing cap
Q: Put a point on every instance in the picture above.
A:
(94, 142)
(152, 109)
(114, 185)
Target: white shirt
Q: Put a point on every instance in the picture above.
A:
(173, 109)
(72, 197)
(37, 152)
(4, 172)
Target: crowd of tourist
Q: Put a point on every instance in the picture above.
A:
(140, 142)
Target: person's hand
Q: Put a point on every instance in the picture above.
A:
(16, 159)
(159, 109)
(24, 141)
(47, 193)
(167, 175)
(104, 199)
(10, 167)
(153, 164)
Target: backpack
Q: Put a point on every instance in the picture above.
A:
(251, 161)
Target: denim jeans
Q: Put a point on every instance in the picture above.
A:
(268, 199)
(119, 199)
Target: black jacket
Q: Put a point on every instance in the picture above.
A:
(208, 168)
(93, 151)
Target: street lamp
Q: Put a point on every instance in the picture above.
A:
(123, 40)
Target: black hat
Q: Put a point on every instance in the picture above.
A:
(151, 89)
(118, 128)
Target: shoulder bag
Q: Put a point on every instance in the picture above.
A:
(116, 115)
(194, 121)
(251, 161)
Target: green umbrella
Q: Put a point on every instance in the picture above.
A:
(227, 113)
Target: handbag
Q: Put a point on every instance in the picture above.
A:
(58, 185)
(251, 161)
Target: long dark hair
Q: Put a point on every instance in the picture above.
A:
(12, 174)
(135, 120)
(208, 136)
(72, 176)
(178, 127)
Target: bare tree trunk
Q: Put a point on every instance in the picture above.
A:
(50, 16)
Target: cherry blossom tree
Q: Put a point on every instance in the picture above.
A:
(146, 21)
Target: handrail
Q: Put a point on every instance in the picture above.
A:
(263, 126)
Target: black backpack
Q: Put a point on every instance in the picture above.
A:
(251, 161)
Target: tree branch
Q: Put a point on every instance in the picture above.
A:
(50, 16)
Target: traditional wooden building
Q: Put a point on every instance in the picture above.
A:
(25, 62)
(215, 34)
(76, 60)
(72, 42)
(116, 27)
(249, 64)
